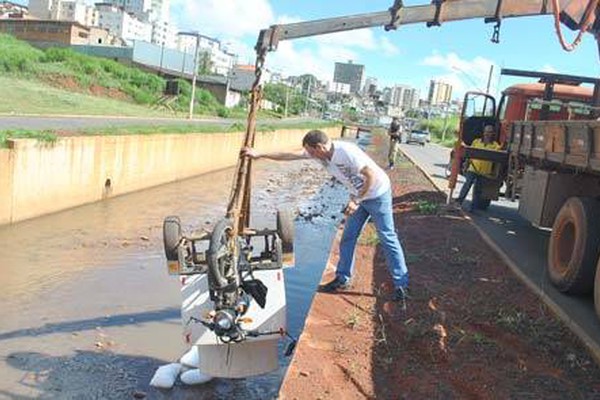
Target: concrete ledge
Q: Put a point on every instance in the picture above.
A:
(38, 178)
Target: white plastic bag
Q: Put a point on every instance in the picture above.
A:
(194, 377)
(191, 358)
(165, 376)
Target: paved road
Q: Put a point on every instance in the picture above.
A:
(524, 245)
(82, 122)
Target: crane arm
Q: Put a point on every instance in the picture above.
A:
(573, 13)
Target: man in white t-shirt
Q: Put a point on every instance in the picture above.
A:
(370, 197)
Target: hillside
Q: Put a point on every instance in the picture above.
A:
(59, 80)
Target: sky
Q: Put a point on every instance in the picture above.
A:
(459, 53)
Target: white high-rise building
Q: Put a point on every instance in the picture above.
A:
(397, 94)
(123, 25)
(165, 34)
(160, 10)
(439, 92)
(43, 9)
(77, 11)
(138, 7)
(221, 60)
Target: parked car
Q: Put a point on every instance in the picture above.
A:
(418, 136)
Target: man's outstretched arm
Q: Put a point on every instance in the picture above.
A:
(277, 156)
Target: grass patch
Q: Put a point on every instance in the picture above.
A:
(80, 73)
(369, 236)
(353, 318)
(42, 136)
(183, 128)
(427, 207)
(444, 131)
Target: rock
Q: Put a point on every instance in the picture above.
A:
(138, 394)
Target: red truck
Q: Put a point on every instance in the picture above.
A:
(551, 162)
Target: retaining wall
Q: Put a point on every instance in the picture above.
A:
(38, 178)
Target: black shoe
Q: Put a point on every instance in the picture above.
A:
(335, 285)
(400, 296)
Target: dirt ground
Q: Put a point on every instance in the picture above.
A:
(472, 330)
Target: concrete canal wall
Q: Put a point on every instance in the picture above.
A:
(38, 178)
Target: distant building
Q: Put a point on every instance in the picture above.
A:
(439, 93)
(44, 33)
(225, 91)
(140, 8)
(370, 87)
(338, 87)
(43, 9)
(222, 61)
(243, 76)
(77, 11)
(122, 24)
(160, 10)
(350, 73)
(13, 10)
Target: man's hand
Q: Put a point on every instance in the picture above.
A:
(250, 152)
(350, 208)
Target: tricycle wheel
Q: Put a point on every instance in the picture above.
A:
(171, 237)
(285, 229)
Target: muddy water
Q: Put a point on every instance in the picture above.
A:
(88, 311)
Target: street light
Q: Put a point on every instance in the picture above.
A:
(194, 74)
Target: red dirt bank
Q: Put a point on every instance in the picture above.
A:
(472, 330)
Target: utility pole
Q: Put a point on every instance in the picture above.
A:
(487, 91)
(195, 72)
(194, 76)
(287, 100)
(307, 95)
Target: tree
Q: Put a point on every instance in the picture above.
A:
(277, 94)
(205, 63)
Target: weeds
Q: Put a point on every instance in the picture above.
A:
(353, 318)
(427, 207)
(512, 320)
(47, 137)
(413, 257)
(369, 236)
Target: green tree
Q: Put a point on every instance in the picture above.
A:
(205, 63)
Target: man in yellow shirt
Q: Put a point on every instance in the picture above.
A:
(478, 168)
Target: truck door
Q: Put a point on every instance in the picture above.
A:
(478, 110)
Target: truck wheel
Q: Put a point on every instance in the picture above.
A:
(285, 229)
(171, 237)
(597, 289)
(574, 246)
(483, 204)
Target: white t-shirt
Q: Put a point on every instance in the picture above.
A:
(347, 162)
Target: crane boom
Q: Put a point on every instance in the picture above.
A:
(572, 14)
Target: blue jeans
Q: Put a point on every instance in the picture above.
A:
(379, 210)
(470, 180)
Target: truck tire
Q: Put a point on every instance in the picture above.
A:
(285, 229)
(597, 289)
(171, 237)
(574, 246)
(483, 204)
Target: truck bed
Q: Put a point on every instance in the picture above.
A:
(571, 144)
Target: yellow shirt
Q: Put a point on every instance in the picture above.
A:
(482, 167)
